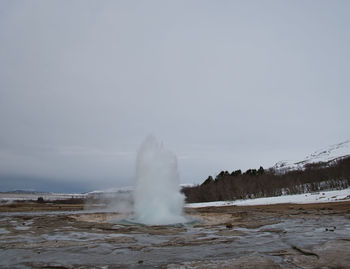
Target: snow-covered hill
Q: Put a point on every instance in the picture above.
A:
(326, 155)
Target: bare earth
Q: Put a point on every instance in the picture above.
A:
(34, 235)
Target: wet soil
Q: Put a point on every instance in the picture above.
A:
(34, 235)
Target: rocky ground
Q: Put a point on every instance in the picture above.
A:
(34, 235)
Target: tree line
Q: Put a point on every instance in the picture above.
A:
(256, 183)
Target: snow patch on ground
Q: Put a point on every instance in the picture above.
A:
(305, 198)
(11, 197)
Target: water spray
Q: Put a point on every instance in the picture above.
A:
(157, 197)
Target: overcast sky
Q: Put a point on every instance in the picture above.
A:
(224, 84)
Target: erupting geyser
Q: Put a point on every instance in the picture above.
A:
(157, 196)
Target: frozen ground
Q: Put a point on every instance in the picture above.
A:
(306, 198)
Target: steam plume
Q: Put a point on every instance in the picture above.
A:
(157, 196)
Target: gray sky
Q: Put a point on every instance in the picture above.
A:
(225, 85)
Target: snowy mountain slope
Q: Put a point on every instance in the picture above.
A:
(326, 155)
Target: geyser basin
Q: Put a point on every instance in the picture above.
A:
(157, 197)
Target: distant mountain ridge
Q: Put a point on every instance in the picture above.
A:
(25, 192)
(326, 155)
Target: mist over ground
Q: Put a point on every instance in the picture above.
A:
(226, 85)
